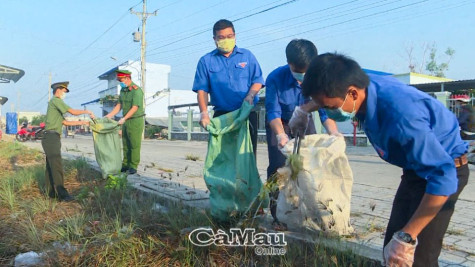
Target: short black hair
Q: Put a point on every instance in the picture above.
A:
(300, 52)
(331, 74)
(221, 25)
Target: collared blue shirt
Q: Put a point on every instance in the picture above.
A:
(283, 94)
(412, 130)
(227, 79)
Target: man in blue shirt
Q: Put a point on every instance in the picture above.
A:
(230, 75)
(283, 95)
(409, 129)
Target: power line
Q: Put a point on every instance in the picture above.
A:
(259, 34)
(287, 36)
(265, 10)
(339, 23)
(101, 35)
(207, 30)
(205, 27)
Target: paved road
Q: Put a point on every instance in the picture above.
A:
(164, 168)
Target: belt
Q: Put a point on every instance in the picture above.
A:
(460, 161)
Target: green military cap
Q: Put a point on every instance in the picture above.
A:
(123, 73)
(60, 85)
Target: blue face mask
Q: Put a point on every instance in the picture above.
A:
(298, 76)
(339, 114)
(123, 85)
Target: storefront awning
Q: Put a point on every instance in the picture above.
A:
(8, 74)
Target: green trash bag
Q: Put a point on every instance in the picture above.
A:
(230, 170)
(107, 145)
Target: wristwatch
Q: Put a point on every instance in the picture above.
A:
(405, 237)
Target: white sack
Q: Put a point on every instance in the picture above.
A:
(320, 197)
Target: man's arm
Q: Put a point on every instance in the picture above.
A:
(309, 107)
(202, 98)
(277, 126)
(114, 111)
(74, 123)
(330, 127)
(131, 112)
(253, 91)
(77, 112)
(428, 208)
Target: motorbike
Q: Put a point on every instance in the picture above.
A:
(33, 133)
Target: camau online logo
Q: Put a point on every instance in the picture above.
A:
(237, 237)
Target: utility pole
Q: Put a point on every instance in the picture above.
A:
(143, 15)
(49, 87)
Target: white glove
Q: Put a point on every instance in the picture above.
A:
(299, 122)
(337, 134)
(282, 140)
(250, 98)
(204, 119)
(399, 253)
(121, 121)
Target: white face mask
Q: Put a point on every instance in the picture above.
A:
(63, 96)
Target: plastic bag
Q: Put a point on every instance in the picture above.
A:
(230, 170)
(319, 197)
(107, 145)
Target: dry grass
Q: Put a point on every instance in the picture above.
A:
(192, 157)
(119, 227)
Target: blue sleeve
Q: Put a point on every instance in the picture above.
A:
(427, 156)
(323, 115)
(273, 109)
(256, 72)
(201, 81)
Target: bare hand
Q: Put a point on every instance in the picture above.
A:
(91, 115)
(121, 121)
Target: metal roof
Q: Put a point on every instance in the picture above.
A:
(377, 72)
(3, 100)
(446, 86)
(90, 102)
(8, 74)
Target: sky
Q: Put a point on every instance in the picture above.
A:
(77, 41)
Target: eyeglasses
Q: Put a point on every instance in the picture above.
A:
(222, 37)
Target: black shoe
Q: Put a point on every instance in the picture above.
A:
(124, 169)
(132, 171)
(52, 195)
(67, 198)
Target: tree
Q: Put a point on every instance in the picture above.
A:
(439, 69)
(38, 119)
(429, 55)
(23, 119)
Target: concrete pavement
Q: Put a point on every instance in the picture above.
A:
(165, 170)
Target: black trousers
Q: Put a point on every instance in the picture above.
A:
(277, 159)
(252, 126)
(54, 175)
(407, 199)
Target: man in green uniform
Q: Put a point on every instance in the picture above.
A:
(131, 101)
(51, 142)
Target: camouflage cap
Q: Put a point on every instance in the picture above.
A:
(123, 73)
(60, 85)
